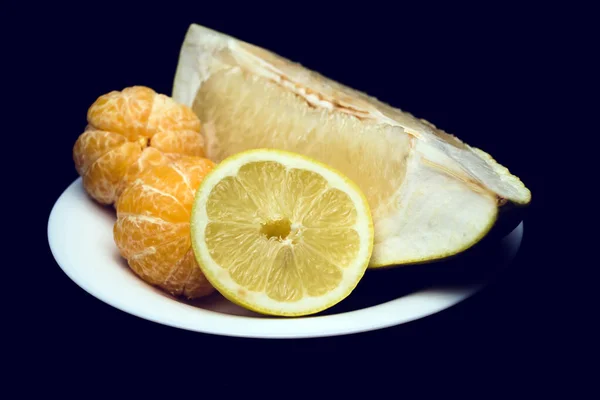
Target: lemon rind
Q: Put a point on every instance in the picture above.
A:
(207, 264)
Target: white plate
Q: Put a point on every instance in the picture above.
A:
(81, 240)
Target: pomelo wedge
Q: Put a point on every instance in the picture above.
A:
(431, 195)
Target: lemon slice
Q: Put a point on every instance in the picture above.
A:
(281, 234)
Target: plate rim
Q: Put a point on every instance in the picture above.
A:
(346, 320)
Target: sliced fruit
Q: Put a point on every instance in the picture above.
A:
(152, 230)
(281, 234)
(127, 132)
(431, 195)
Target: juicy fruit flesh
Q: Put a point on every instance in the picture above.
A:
(152, 230)
(251, 112)
(281, 231)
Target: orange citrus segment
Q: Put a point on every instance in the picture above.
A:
(124, 112)
(93, 144)
(187, 279)
(104, 176)
(149, 157)
(136, 233)
(184, 142)
(167, 179)
(195, 171)
(156, 263)
(167, 115)
(152, 202)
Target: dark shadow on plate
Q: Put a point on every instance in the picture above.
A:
(108, 211)
(217, 303)
(476, 265)
(121, 261)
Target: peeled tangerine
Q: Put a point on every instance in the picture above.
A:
(431, 195)
(152, 230)
(129, 131)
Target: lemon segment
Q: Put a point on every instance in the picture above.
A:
(280, 233)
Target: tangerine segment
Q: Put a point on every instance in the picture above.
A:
(146, 200)
(168, 115)
(183, 142)
(187, 271)
(152, 231)
(281, 234)
(136, 233)
(192, 172)
(104, 176)
(93, 144)
(149, 157)
(125, 112)
(156, 264)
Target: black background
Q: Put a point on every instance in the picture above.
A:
(480, 73)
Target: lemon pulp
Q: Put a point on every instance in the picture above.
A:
(275, 233)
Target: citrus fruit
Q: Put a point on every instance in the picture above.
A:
(431, 194)
(281, 234)
(121, 126)
(152, 231)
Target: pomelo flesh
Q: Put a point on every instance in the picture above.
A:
(431, 195)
